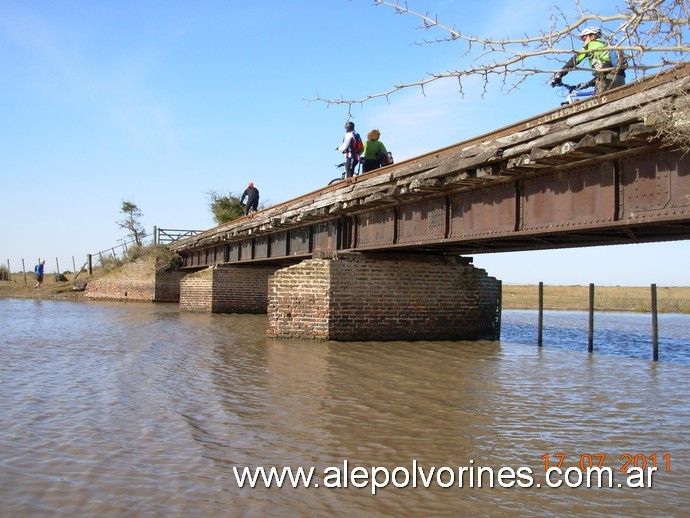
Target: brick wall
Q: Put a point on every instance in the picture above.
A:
(299, 300)
(133, 281)
(136, 281)
(383, 297)
(241, 289)
(196, 291)
(167, 286)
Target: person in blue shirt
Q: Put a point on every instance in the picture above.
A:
(39, 273)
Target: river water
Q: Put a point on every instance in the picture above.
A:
(115, 409)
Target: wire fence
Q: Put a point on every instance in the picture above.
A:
(101, 258)
(88, 265)
(672, 299)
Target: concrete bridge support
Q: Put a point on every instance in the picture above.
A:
(226, 289)
(359, 296)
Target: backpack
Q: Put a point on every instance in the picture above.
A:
(36, 269)
(619, 60)
(384, 158)
(356, 146)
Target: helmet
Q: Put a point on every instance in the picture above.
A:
(349, 126)
(594, 31)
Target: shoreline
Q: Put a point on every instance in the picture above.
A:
(670, 299)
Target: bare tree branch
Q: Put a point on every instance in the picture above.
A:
(652, 34)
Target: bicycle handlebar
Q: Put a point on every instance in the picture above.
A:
(570, 88)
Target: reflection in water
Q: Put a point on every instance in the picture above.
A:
(617, 334)
(111, 408)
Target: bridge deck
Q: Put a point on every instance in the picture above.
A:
(611, 128)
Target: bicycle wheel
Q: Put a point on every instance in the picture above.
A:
(335, 180)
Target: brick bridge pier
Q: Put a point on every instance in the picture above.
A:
(356, 297)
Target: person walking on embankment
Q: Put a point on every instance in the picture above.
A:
(38, 270)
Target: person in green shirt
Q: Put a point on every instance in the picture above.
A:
(599, 62)
(375, 153)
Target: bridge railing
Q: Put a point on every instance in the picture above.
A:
(164, 236)
(160, 236)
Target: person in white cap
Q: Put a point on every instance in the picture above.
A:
(607, 69)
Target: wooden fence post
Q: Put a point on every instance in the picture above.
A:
(500, 309)
(655, 327)
(540, 323)
(590, 343)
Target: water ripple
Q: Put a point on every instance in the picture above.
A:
(138, 409)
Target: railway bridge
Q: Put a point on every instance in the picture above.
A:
(383, 256)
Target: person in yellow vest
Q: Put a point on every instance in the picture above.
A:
(605, 67)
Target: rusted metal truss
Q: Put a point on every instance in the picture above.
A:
(591, 173)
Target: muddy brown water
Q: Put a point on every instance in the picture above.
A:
(140, 410)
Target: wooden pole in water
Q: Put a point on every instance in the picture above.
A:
(540, 324)
(655, 327)
(500, 309)
(590, 343)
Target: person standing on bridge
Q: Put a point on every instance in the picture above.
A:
(599, 62)
(348, 148)
(252, 195)
(375, 153)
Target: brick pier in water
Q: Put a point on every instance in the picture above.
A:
(353, 297)
(342, 297)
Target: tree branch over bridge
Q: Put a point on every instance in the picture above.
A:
(652, 33)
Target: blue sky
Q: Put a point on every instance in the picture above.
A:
(161, 102)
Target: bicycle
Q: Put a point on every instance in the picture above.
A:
(574, 94)
(357, 172)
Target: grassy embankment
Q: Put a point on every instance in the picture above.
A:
(21, 286)
(606, 298)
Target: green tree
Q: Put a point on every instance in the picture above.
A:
(131, 223)
(225, 208)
